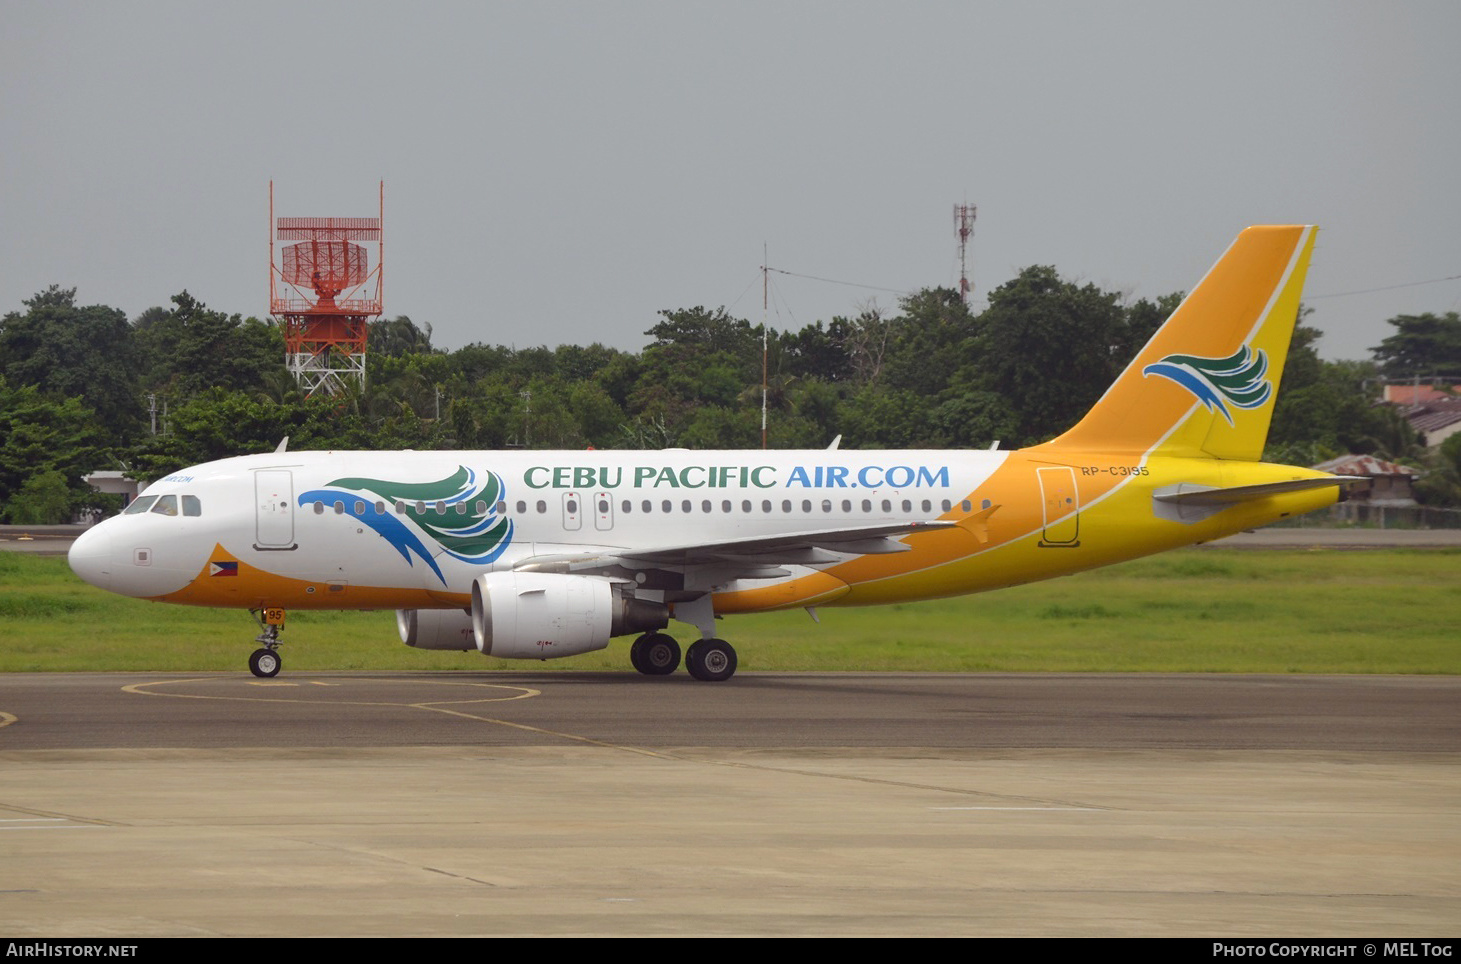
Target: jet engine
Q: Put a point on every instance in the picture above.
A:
(539, 615)
(436, 628)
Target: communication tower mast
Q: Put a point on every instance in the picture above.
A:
(964, 227)
(320, 293)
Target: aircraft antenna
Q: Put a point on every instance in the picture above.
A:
(964, 229)
(320, 294)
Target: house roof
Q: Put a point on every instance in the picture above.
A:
(1364, 465)
(1434, 415)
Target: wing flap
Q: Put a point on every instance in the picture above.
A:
(752, 554)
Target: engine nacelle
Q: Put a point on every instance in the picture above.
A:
(540, 615)
(436, 629)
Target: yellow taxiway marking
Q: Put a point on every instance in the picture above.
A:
(7, 718)
(147, 689)
(448, 707)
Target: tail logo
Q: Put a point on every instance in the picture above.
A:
(1216, 382)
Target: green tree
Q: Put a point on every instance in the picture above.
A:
(1050, 348)
(40, 434)
(68, 351)
(1423, 346)
(398, 336)
(44, 499)
(191, 349)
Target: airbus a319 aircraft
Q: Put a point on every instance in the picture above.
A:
(538, 555)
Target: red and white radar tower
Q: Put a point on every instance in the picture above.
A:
(320, 294)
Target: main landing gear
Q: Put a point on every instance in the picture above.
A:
(265, 663)
(655, 654)
(708, 660)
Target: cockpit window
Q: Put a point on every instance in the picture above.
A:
(166, 505)
(141, 505)
(191, 505)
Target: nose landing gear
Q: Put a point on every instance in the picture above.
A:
(265, 662)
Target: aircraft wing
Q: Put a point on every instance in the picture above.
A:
(748, 558)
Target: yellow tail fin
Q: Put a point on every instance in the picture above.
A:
(1204, 386)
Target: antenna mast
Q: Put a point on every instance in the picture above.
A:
(765, 286)
(964, 228)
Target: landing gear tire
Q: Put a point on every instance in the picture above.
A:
(655, 654)
(265, 663)
(711, 660)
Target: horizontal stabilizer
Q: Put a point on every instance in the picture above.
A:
(1191, 502)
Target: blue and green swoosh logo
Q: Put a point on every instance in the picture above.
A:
(1237, 380)
(458, 513)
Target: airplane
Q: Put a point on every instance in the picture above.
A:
(541, 555)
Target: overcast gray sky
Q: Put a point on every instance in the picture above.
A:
(559, 172)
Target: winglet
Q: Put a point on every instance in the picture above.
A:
(1204, 386)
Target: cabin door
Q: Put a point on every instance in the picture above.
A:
(1061, 504)
(274, 509)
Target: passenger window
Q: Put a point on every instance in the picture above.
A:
(400, 507)
(462, 508)
(685, 505)
(705, 506)
(647, 505)
(380, 507)
(907, 505)
(887, 505)
(725, 505)
(846, 505)
(867, 505)
(166, 505)
(339, 508)
(571, 505)
(826, 505)
(359, 507)
(765, 505)
(968, 506)
(947, 505)
(522, 507)
(440, 507)
(140, 505)
(745, 505)
(626, 506)
(785, 505)
(191, 506)
(667, 505)
(319, 508)
(542, 506)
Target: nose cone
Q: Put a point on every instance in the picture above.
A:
(91, 557)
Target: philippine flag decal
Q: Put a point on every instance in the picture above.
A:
(222, 568)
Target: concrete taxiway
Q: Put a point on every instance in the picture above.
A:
(572, 803)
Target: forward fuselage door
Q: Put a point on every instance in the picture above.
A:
(274, 509)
